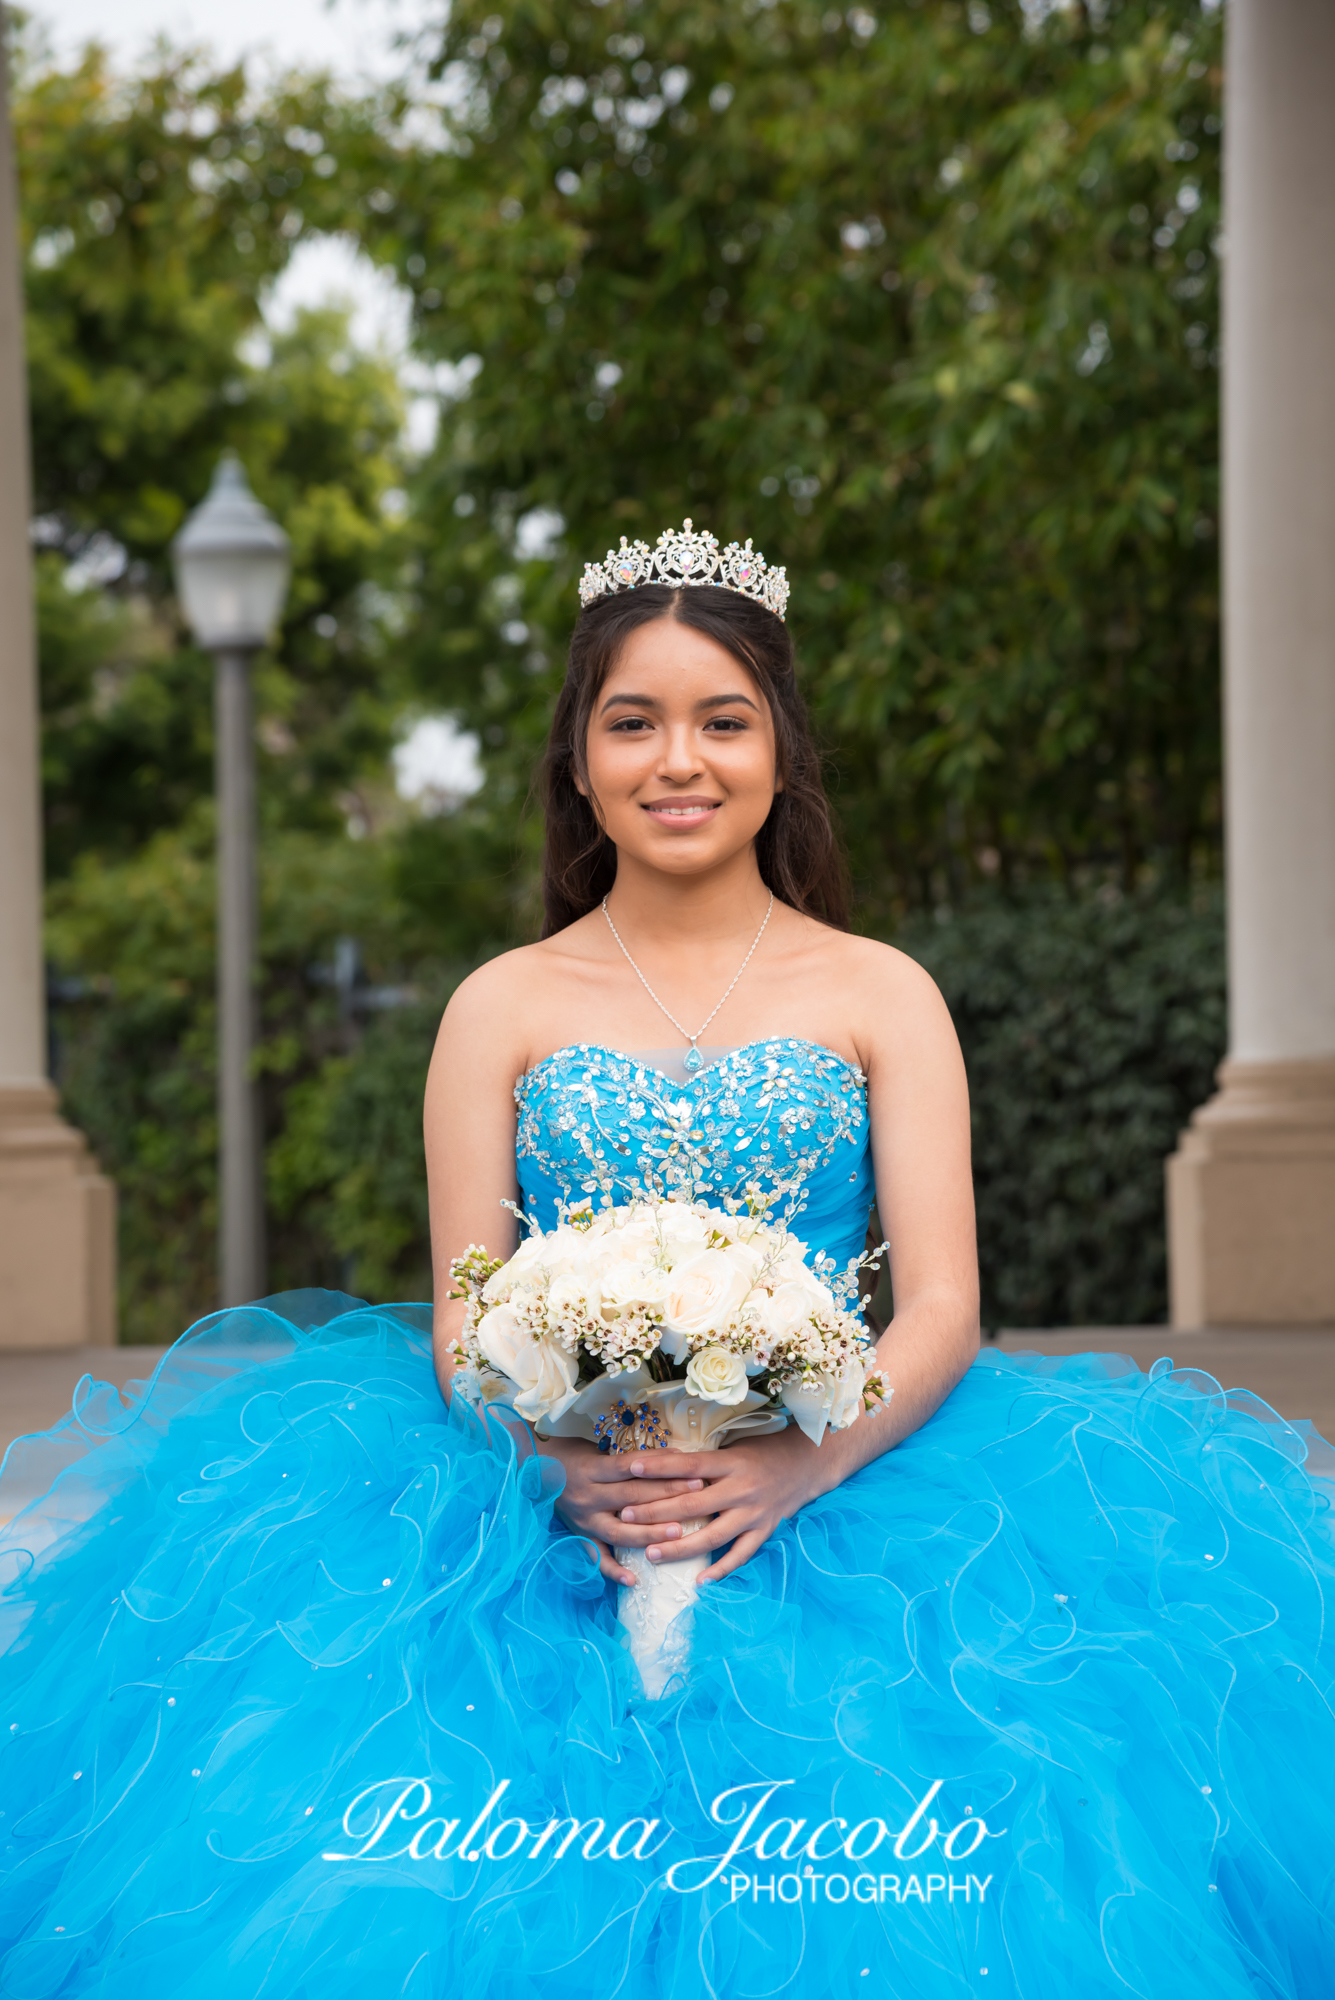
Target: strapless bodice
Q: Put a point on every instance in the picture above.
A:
(781, 1114)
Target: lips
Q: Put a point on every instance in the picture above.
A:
(682, 814)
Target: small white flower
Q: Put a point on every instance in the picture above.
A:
(717, 1375)
(483, 1385)
(566, 1249)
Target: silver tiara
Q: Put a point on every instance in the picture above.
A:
(687, 558)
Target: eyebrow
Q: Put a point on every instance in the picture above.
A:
(651, 701)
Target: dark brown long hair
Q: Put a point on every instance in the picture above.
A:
(797, 847)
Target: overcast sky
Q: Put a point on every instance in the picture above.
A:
(350, 37)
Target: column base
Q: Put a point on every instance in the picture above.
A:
(57, 1228)
(1251, 1200)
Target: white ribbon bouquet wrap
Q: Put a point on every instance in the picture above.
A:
(666, 1323)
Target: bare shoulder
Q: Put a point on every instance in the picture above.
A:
(895, 1007)
(498, 983)
(485, 1021)
(492, 1011)
(876, 973)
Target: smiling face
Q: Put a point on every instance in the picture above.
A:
(680, 752)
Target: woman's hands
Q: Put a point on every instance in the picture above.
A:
(600, 1485)
(746, 1489)
(750, 1487)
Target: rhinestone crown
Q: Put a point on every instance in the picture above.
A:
(685, 557)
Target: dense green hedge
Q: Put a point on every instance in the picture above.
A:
(350, 1157)
(1091, 1029)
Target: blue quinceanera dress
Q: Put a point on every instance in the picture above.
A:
(306, 1691)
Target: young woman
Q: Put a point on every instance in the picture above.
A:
(688, 825)
(312, 1679)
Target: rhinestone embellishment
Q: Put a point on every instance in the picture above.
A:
(687, 555)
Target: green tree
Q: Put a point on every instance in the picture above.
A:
(925, 302)
(156, 209)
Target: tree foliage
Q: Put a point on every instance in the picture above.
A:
(926, 303)
(156, 209)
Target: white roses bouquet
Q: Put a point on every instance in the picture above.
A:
(665, 1322)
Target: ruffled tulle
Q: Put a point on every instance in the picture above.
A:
(1087, 1605)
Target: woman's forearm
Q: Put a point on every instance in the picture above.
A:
(922, 1354)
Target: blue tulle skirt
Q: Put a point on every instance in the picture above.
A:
(306, 1691)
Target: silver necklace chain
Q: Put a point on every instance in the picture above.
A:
(693, 1058)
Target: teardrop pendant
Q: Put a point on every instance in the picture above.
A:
(692, 1058)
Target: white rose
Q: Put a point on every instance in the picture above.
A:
(525, 1263)
(809, 1404)
(543, 1371)
(572, 1296)
(845, 1387)
(500, 1337)
(628, 1288)
(703, 1295)
(528, 1258)
(547, 1380)
(787, 1310)
(682, 1230)
(717, 1376)
(746, 1258)
(565, 1249)
(605, 1253)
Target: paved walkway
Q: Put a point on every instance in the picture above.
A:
(1293, 1370)
(36, 1388)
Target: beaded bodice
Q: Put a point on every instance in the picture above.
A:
(782, 1114)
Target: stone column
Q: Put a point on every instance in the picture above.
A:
(1251, 1188)
(57, 1213)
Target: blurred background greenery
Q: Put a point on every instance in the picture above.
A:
(923, 298)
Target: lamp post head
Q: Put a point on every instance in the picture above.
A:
(231, 564)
